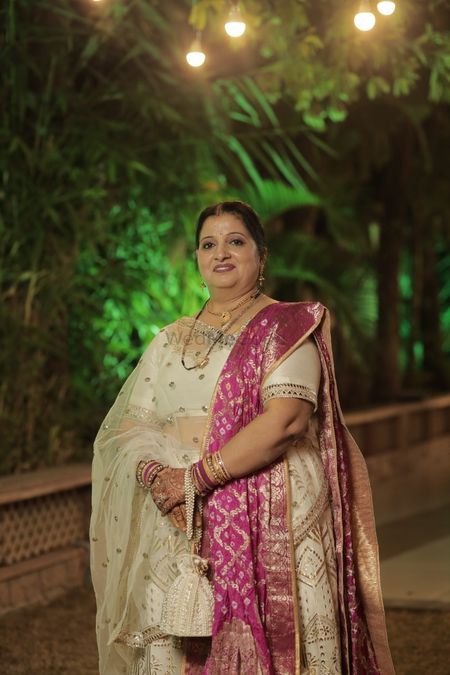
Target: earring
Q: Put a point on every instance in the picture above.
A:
(202, 284)
(261, 278)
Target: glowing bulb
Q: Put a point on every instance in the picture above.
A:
(235, 26)
(196, 56)
(386, 7)
(364, 19)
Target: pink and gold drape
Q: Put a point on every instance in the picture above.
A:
(247, 534)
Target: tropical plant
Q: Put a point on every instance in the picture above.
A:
(310, 60)
(107, 151)
(111, 146)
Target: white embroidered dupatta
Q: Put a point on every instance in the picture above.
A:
(133, 548)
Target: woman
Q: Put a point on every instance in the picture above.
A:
(242, 395)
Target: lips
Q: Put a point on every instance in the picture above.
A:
(223, 268)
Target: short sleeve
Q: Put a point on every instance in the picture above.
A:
(298, 376)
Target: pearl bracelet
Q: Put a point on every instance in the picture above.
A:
(190, 496)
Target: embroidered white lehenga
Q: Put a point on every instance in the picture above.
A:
(161, 413)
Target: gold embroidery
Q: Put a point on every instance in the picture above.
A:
(289, 390)
(289, 504)
(137, 412)
(302, 528)
(233, 647)
(140, 638)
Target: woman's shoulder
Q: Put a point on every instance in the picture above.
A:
(153, 351)
(305, 307)
(170, 332)
(176, 327)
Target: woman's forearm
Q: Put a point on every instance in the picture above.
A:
(266, 437)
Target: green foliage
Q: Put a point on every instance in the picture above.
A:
(444, 274)
(83, 168)
(108, 157)
(312, 53)
(110, 146)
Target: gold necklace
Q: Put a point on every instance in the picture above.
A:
(202, 361)
(225, 316)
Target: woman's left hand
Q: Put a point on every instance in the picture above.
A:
(167, 489)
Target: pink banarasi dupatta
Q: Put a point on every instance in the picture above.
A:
(247, 535)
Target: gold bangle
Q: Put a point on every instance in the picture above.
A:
(208, 470)
(227, 475)
(211, 465)
(217, 470)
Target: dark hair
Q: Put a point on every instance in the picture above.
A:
(241, 210)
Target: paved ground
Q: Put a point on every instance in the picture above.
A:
(59, 639)
(415, 562)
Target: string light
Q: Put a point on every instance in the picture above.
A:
(235, 25)
(386, 7)
(364, 19)
(196, 56)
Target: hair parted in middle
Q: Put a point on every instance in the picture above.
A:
(244, 212)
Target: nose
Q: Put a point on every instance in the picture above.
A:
(222, 252)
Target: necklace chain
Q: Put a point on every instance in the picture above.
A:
(204, 360)
(225, 316)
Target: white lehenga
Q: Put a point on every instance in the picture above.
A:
(161, 413)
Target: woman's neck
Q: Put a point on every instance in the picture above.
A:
(221, 299)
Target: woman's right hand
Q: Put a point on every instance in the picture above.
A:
(167, 489)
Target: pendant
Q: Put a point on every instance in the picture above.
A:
(203, 362)
(225, 318)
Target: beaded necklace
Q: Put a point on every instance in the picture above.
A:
(202, 361)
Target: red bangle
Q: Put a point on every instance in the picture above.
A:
(151, 470)
(200, 479)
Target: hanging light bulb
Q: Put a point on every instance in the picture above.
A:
(364, 19)
(196, 56)
(386, 7)
(235, 25)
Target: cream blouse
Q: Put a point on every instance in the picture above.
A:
(170, 391)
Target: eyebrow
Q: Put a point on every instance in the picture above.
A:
(210, 236)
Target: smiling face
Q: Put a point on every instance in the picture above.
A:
(227, 256)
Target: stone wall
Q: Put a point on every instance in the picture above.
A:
(44, 521)
(407, 449)
(44, 515)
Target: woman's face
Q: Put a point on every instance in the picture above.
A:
(227, 255)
